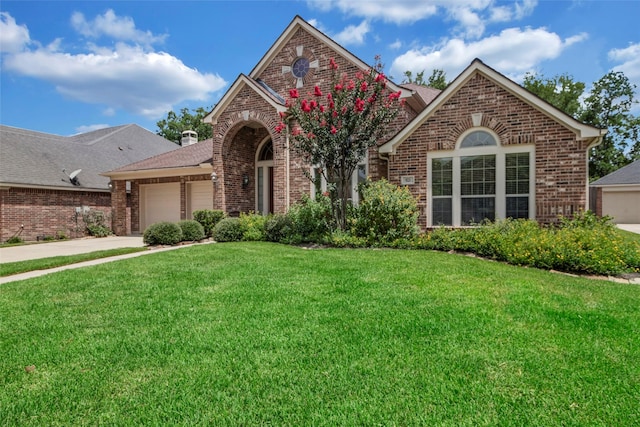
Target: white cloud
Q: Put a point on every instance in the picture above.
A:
(630, 58)
(513, 51)
(90, 128)
(396, 44)
(471, 15)
(13, 37)
(125, 77)
(115, 27)
(353, 35)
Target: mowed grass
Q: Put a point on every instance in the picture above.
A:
(264, 334)
(10, 268)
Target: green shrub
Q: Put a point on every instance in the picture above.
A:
(252, 226)
(386, 213)
(312, 220)
(96, 223)
(227, 230)
(208, 218)
(192, 230)
(14, 240)
(162, 233)
(278, 228)
(582, 244)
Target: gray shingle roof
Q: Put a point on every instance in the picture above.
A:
(190, 155)
(627, 175)
(427, 93)
(38, 159)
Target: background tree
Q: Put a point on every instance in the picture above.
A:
(333, 132)
(560, 91)
(437, 79)
(609, 107)
(173, 125)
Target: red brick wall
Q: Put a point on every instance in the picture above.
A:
(235, 148)
(46, 212)
(560, 163)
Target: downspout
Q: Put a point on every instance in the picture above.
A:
(594, 143)
(287, 198)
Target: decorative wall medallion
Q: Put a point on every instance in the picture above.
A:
(301, 63)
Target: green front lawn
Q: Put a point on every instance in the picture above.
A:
(10, 268)
(265, 334)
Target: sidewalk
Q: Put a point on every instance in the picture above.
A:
(72, 247)
(67, 247)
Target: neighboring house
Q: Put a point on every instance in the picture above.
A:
(484, 148)
(40, 196)
(618, 194)
(169, 186)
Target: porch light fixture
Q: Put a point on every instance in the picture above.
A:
(214, 177)
(245, 180)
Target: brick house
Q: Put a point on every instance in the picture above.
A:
(482, 148)
(41, 197)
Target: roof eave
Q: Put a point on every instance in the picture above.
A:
(582, 131)
(229, 96)
(200, 169)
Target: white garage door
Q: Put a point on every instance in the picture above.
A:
(199, 196)
(159, 202)
(623, 206)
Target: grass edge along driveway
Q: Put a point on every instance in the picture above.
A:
(258, 333)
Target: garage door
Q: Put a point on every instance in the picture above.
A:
(623, 206)
(199, 196)
(159, 202)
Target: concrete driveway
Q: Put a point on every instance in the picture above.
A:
(67, 247)
(634, 228)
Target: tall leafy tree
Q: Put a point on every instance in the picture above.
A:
(333, 131)
(173, 125)
(560, 91)
(437, 79)
(609, 107)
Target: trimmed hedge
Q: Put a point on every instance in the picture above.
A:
(162, 233)
(208, 219)
(228, 230)
(192, 230)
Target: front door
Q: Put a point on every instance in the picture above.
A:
(264, 178)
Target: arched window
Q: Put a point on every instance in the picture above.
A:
(266, 153)
(478, 138)
(480, 180)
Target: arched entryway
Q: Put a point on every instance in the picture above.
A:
(264, 177)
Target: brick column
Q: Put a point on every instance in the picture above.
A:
(119, 208)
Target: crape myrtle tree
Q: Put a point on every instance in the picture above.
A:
(333, 131)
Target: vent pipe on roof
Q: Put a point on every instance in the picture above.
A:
(188, 137)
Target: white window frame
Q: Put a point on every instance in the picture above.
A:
(500, 151)
(355, 199)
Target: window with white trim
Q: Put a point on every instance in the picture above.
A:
(480, 180)
(359, 176)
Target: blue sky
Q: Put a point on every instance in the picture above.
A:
(73, 66)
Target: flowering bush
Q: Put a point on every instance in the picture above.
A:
(334, 131)
(582, 244)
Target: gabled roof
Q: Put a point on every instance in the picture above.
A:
(289, 32)
(583, 131)
(36, 159)
(628, 175)
(241, 82)
(191, 159)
